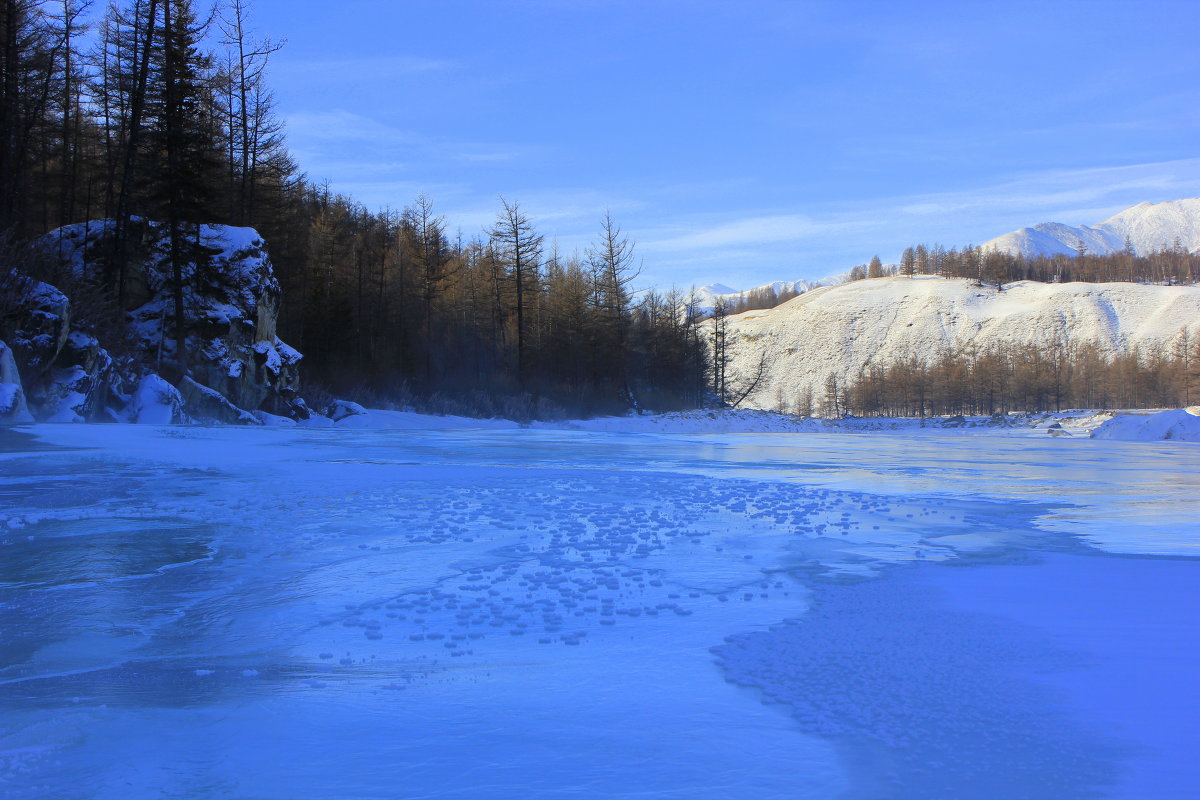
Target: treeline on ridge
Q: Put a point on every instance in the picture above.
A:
(1173, 265)
(1029, 378)
(156, 111)
(1170, 266)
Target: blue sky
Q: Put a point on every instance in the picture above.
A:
(744, 142)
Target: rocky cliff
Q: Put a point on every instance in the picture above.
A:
(71, 368)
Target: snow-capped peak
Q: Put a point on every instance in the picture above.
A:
(1146, 227)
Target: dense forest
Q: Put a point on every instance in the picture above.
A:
(157, 109)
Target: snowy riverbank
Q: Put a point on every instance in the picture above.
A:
(1133, 425)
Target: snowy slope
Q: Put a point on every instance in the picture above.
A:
(1149, 227)
(839, 330)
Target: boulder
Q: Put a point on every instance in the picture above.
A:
(204, 404)
(156, 402)
(338, 410)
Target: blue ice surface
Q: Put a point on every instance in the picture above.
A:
(216, 612)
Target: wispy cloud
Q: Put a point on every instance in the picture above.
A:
(770, 229)
(371, 157)
(384, 164)
(329, 69)
(1060, 192)
(343, 126)
(821, 239)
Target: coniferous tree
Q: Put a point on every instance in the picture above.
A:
(25, 90)
(875, 267)
(611, 261)
(518, 252)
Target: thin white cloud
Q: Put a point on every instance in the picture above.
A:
(336, 69)
(358, 151)
(786, 244)
(769, 229)
(343, 126)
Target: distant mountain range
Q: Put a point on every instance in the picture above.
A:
(707, 297)
(1146, 228)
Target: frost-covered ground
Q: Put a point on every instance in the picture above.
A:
(377, 613)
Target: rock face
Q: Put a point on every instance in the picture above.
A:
(233, 361)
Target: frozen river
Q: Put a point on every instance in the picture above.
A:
(283, 613)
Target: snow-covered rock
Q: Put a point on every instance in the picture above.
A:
(156, 402)
(40, 330)
(1148, 227)
(1177, 425)
(338, 410)
(13, 409)
(842, 329)
(205, 404)
(231, 301)
(77, 389)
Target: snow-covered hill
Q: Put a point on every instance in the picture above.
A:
(841, 329)
(1149, 227)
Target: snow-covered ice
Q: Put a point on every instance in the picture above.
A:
(387, 611)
